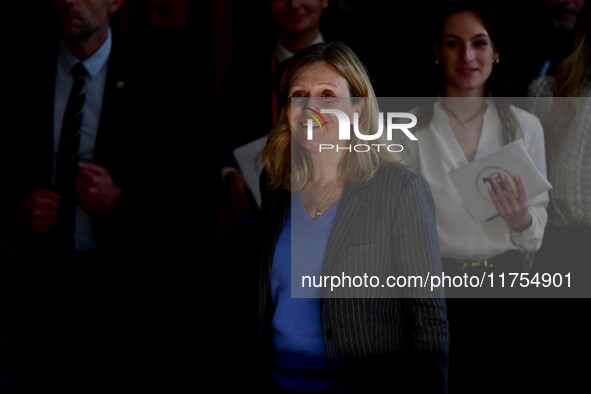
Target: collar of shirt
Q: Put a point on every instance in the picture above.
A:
(284, 53)
(93, 63)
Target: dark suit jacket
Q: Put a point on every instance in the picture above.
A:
(398, 343)
(123, 144)
(128, 298)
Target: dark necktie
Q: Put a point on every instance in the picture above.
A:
(68, 154)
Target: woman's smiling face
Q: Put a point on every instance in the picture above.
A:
(317, 86)
(466, 53)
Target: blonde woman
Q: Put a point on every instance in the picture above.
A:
(567, 125)
(341, 213)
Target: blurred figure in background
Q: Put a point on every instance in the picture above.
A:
(563, 103)
(253, 76)
(567, 125)
(563, 16)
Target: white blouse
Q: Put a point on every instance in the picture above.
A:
(437, 153)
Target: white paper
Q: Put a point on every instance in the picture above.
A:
(249, 158)
(472, 180)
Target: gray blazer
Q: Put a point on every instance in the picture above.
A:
(375, 339)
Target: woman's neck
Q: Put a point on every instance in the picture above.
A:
(452, 91)
(325, 168)
(464, 108)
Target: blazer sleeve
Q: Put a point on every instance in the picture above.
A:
(424, 314)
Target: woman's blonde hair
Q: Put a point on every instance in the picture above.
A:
(571, 74)
(293, 171)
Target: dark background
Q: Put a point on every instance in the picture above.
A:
(200, 37)
(199, 43)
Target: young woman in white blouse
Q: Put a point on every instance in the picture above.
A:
(464, 124)
(467, 123)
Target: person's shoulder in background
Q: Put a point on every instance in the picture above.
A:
(538, 99)
(541, 87)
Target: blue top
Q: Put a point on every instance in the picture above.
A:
(299, 354)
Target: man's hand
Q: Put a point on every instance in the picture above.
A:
(39, 210)
(95, 190)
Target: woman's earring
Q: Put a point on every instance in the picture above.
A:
(497, 60)
(436, 61)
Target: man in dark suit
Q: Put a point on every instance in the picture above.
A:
(105, 142)
(79, 243)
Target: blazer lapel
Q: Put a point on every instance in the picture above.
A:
(353, 204)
